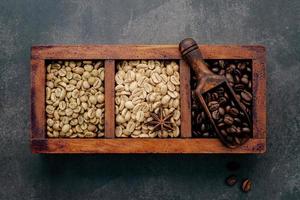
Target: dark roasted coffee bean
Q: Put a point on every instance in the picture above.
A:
(246, 102)
(215, 69)
(246, 185)
(249, 85)
(215, 115)
(202, 114)
(232, 103)
(239, 87)
(199, 119)
(227, 108)
(222, 100)
(237, 120)
(225, 95)
(237, 140)
(213, 105)
(242, 104)
(220, 120)
(245, 80)
(222, 63)
(246, 130)
(229, 78)
(208, 97)
(238, 130)
(220, 90)
(230, 68)
(233, 112)
(221, 111)
(194, 106)
(246, 96)
(236, 79)
(221, 124)
(206, 134)
(223, 132)
(231, 130)
(214, 96)
(241, 66)
(237, 72)
(222, 72)
(233, 166)
(203, 127)
(231, 180)
(228, 120)
(229, 138)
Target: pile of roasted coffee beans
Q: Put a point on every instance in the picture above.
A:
(239, 76)
(228, 116)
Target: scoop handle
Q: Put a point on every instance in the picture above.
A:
(191, 54)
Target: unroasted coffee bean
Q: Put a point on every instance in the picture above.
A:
(231, 180)
(246, 185)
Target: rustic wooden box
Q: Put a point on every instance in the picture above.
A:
(110, 53)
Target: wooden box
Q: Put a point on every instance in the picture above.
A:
(109, 144)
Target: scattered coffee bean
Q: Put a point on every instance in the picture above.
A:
(246, 185)
(231, 180)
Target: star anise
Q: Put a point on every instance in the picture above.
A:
(160, 122)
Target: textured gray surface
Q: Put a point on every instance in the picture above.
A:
(271, 23)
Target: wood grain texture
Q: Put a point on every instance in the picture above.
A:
(142, 146)
(259, 98)
(38, 76)
(141, 52)
(109, 94)
(185, 100)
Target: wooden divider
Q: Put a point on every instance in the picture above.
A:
(109, 93)
(185, 100)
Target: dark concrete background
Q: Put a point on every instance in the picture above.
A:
(274, 24)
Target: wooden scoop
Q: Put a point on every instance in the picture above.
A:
(208, 81)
